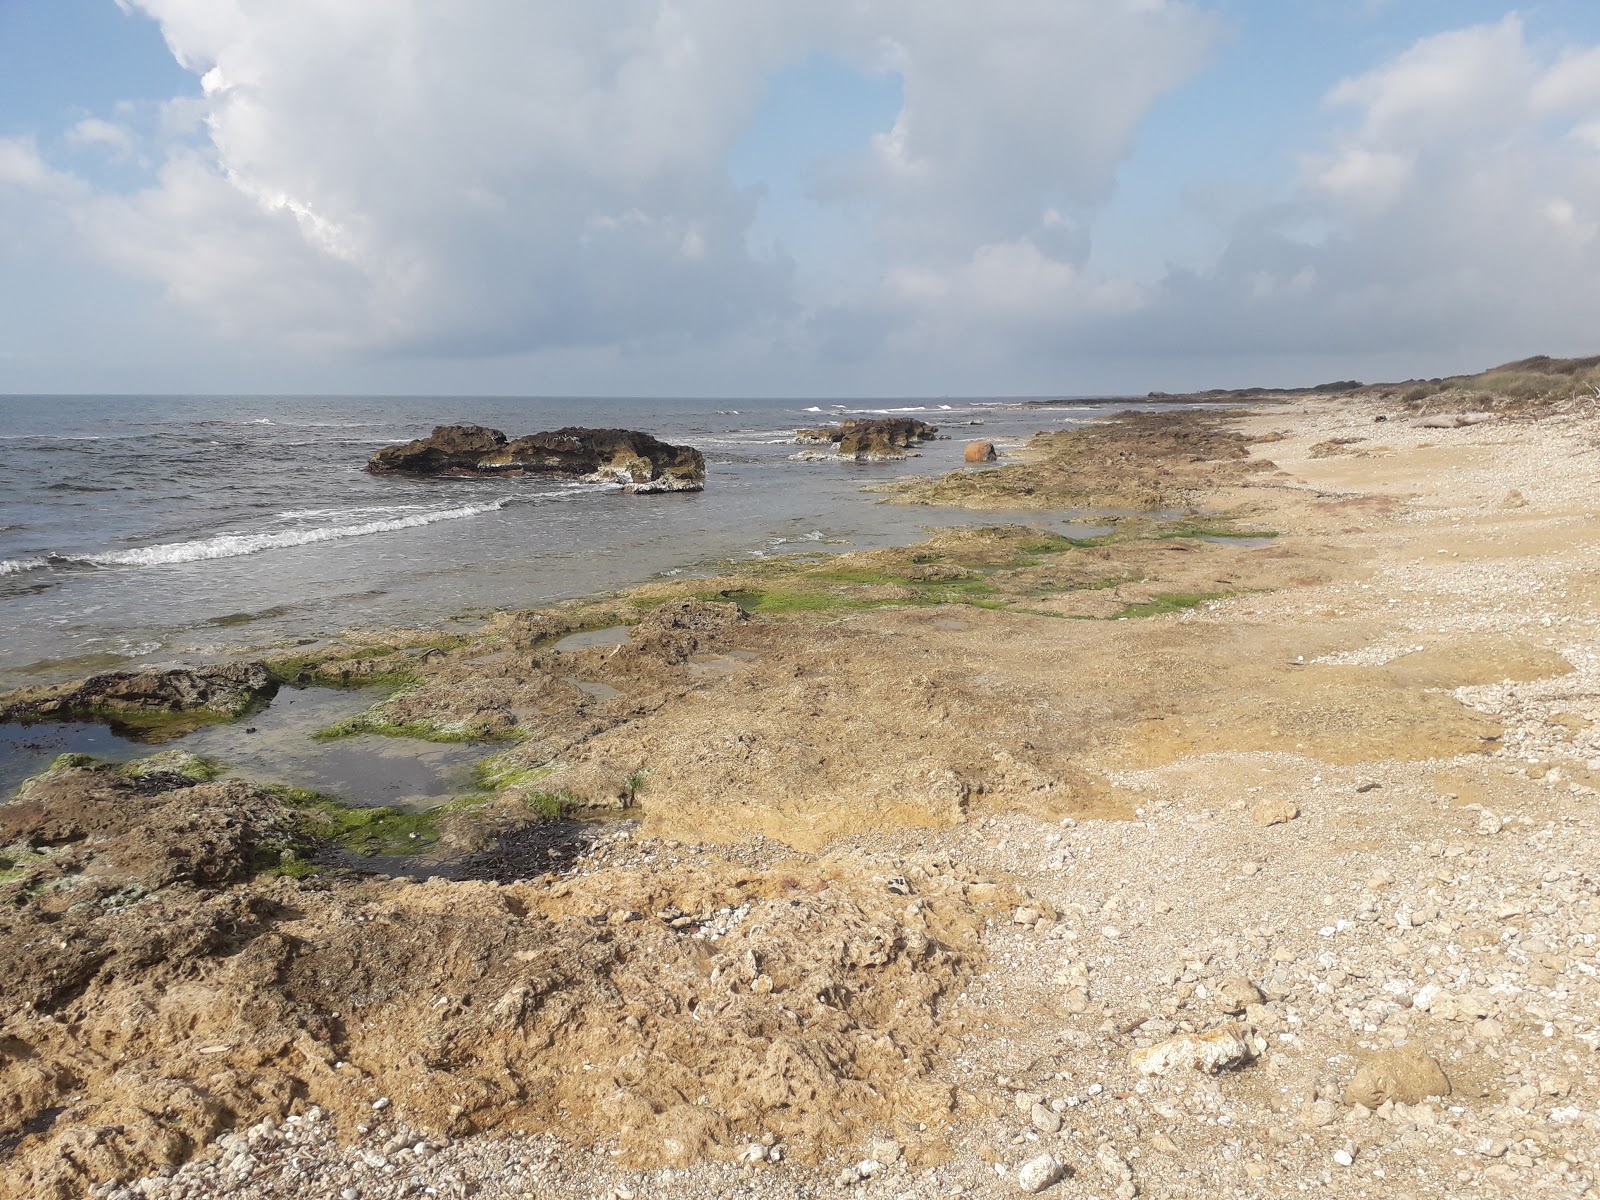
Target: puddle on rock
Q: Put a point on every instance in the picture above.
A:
(589, 639)
(1223, 540)
(722, 664)
(275, 745)
(26, 750)
(1074, 529)
(600, 691)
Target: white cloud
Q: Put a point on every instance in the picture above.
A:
(1458, 213)
(22, 168)
(116, 140)
(490, 176)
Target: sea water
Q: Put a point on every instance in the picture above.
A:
(137, 530)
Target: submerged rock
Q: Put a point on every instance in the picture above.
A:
(638, 461)
(863, 440)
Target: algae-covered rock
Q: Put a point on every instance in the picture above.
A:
(227, 690)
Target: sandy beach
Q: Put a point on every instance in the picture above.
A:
(1240, 845)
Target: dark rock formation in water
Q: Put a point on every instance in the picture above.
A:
(227, 690)
(863, 440)
(638, 461)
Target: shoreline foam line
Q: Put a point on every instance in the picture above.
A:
(233, 545)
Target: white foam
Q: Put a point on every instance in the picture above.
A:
(378, 511)
(231, 545)
(15, 566)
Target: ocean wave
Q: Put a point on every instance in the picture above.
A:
(232, 545)
(362, 510)
(15, 566)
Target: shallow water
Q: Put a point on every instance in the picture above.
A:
(590, 639)
(275, 745)
(153, 529)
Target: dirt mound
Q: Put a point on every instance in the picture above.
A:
(675, 1012)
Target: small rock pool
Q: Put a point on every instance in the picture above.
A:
(276, 745)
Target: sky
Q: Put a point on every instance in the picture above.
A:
(791, 197)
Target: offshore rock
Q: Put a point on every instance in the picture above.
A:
(862, 440)
(638, 461)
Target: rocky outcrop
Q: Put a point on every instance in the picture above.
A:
(861, 440)
(638, 461)
(225, 690)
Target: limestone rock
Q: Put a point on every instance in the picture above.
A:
(1274, 812)
(1236, 994)
(1223, 1049)
(1405, 1075)
(862, 440)
(1037, 1174)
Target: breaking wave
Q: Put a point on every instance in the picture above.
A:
(232, 545)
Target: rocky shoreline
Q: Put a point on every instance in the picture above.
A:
(1240, 851)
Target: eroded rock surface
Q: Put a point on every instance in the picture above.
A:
(227, 689)
(803, 995)
(639, 461)
(865, 440)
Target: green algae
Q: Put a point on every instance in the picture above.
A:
(1163, 603)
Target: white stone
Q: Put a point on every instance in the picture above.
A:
(1219, 1050)
(1037, 1174)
